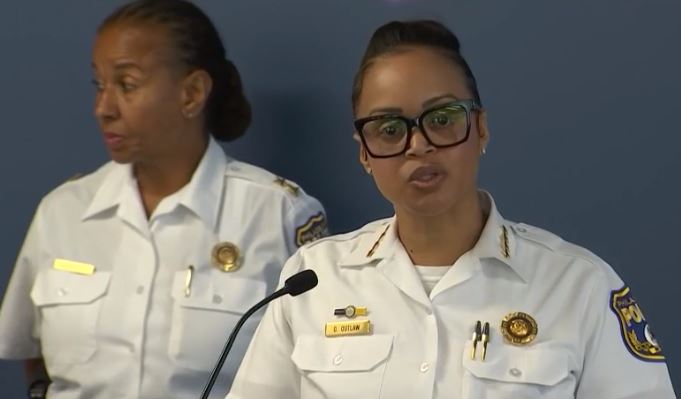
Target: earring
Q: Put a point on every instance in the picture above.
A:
(368, 170)
(483, 151)
(188, 114)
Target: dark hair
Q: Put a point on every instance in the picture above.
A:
(228, 113)
(395, 35)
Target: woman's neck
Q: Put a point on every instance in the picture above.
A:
(439, 240)
(163, 176)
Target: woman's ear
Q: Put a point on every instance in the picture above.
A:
(483, 131)
(363, 155)
(196, 88)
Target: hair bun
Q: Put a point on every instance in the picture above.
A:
(231, 113)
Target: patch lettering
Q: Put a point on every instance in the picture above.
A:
(636, 332)
(314, 229)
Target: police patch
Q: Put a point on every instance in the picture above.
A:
(638, 338)
(313, 229)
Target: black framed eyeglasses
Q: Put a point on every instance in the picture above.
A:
(445, 125)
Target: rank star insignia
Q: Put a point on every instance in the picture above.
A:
(288, 186)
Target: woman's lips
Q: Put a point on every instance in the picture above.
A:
(113, 140)
(426, 176)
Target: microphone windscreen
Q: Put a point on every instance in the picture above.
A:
(301, 282)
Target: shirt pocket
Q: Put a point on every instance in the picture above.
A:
(69, 305)
(527, 372)
(342, 367)
(202, 321)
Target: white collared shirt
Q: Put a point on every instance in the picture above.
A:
(431, 275)
(130, 329)
(420, 345)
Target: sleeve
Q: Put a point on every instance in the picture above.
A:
(18, 317)
(267, 370)
(305, 221)
(622, 359)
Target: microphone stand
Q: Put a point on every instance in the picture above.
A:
(232, 337)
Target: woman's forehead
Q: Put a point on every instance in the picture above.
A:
(147, 46)
(410, 79)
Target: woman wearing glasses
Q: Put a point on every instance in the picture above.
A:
(446, 299)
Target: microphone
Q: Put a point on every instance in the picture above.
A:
(295, 285)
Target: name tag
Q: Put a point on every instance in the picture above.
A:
(73, 267)
(343, 328)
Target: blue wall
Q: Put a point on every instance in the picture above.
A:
(583, 100)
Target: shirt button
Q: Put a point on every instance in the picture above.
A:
(515, 372)
(521, 229)
(140, 290)
(62, 292)
(424, 367)
(235, 168)
(338, 360)
(217, 299)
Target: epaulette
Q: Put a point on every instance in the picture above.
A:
(261, 176)
(554, 242)
(369, 228)
(74, 177)
(537, 235)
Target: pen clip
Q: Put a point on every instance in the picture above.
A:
(477, 335)
(188, 281)
(485, 340)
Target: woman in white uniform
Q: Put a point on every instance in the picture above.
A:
(131, 278)
(447, 299)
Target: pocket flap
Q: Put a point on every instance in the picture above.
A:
(360, 353)
(221, 292)
(54, 287)
(540, 364)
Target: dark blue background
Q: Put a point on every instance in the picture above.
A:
(583, 101)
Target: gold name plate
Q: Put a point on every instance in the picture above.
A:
(342, 328)
(73, 267)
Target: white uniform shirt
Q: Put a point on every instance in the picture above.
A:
(129, 330)
(420, 345)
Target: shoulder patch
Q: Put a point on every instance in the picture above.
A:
(314, 228)
(636, 332)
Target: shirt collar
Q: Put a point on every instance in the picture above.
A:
(373, 244)
(202, 195)
(496, 242)
(112, 190)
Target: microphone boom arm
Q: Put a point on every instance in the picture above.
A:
(232, 337)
